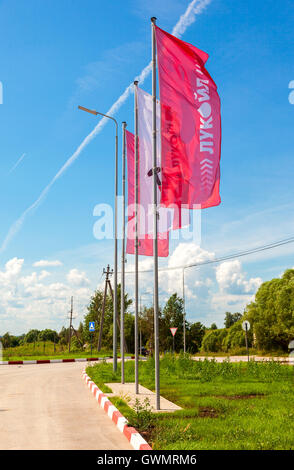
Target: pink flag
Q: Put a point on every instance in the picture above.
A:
(190, 125)
(146, 240)
(169, 218)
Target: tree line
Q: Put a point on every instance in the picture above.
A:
(271, 316)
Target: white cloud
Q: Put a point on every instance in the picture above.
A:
(12, 269)
(77, 278)
(43, 263)
(43, 274)
(230, 278)
(28, 300)
(184, 254)
(197, 284)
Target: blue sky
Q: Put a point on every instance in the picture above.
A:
(56, 55)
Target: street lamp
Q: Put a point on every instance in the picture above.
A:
(115, 234)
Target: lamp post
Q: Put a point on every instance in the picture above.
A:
(115, 234)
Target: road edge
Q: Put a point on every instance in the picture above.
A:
(133, 436)
(57, 361)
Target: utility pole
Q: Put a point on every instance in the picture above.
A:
(70, 324)
(107, 273)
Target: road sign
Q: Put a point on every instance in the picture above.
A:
(246, 325)
(173, 331)
(91, 326)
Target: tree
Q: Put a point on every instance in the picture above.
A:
(48, 335)
(32, 336)
(235, 338)
(146, 325)
(172, 316)
(213, 326)
(271, 315)
(194, 336)
(94, 314)
(10, 341)
(6, 340)
(80, 332)
(231, 318)
(213, 340)
(130, 331)
(64, 336)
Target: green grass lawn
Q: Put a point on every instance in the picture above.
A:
(36, 351)
(225, 406)
(242, 352)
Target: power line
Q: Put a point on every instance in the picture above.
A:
(225, 258)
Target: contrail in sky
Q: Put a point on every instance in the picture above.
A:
(17, 163)
(194, 8)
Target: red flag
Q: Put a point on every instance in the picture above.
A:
(145, 241)
(190, 125)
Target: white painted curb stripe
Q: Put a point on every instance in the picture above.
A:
(111, 410)
(103, 401)
(121, 422)
(135, 438)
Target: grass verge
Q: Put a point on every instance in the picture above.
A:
(39, 350)
(225, 405)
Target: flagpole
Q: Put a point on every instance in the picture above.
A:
(136, 239)
(155, 245)
(184, 311)
(115, 316)
(122, 293)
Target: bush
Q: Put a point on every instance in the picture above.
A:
(235, 338)
(213, 340)
(142, 417)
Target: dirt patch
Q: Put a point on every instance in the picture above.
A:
(148, 435)
(207, 412)
(240, 397)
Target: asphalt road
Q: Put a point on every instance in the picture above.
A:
(48, 406)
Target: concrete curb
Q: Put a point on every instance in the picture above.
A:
(133, 436)
(57, 361)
